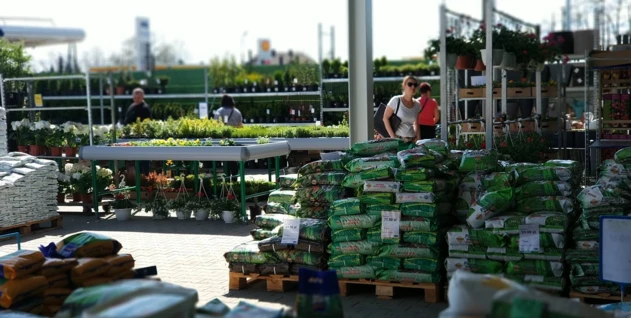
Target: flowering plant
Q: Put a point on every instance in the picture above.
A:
(39, 131)
(22, 131)
(121, 199)
(619, 110)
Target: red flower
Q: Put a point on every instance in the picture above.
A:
(231, 196)
(566, 59)
(532, 35)
(499, 25)
(120, 196)
(149, 189)
(529, 140)
(200, 194)
(560, 39)
(483, 145)
(543, 140)
(469, 145)
(503, 144)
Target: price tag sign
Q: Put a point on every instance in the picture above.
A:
(39, 102)
(291, 230)
(390, 221)
(202, 109)
(529, 238)
(615, 249)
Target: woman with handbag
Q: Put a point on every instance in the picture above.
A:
(400, 117)
(429, 114)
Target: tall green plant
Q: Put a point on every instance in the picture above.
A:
(224, 71)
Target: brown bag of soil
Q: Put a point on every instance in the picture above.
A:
(243, 268)
(274, 269)
(119, 263)
(128, 274)
(90, 267)
(16, 290)
(20, 264)
(58, 281)
(55, 266)
(56, 296)
(94, 281)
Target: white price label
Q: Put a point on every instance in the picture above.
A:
(268, 111)
(291, 230)
(390, 221)
(529, 238)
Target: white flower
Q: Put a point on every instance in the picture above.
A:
(76, 175)
(103, 172)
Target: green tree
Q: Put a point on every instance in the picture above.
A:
(14, 62)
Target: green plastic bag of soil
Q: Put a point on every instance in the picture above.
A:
(462, 234)
(478, 160)
(611, 168)
(274, 269)
(467, 251)
(348, 235)
(496, 199)
(261, 234)
(321, 166)
(410, 197)
(280, 208)
(381, 186)
(320, 179)
(214, 307)
(348, 206)
(302, 257)
(360, 221)
(426, 265)
(543, 173)
(318, 295)
(596, 212)
(426, 210)
(623, 155)
(542, 189)
(87, 244)
(376, 209)
(585, 269)
(363, 164)
(418, 157)
(505, 224)
(313, 230)
(249, 253)
(546, 254)
(414, 174)
(380, 262)
(551, 222)
(424, 238)
(435, 144)
(356, 180)
(322, 194)
(375, 147)
(409, 224)
(478, 266)
(313, 212)
(374, 235)
(534, 267)
(409, 251)
(271, 221)
(574, 166)
(597, 196)
(552, 204)
(377, 198)
(287, 197)
(408, 276)
(445, 185)
(419, 186)
(503, 254)
(517, 168)
(573, 255)
(581, 234)
(356, 272)
(357, 247)
(345, 260)
(546, 240)
(287, 181)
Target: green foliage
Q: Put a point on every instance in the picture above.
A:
(14, 62)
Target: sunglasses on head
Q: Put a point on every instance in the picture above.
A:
(411, 84)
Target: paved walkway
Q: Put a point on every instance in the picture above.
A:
(190, 253)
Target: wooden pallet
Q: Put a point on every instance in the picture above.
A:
(385, 289)
(597, 298)
(275, 283)
(34, 227)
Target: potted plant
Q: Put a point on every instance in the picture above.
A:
(201, 207)
(336, 68)
(326, 68)
(122, 205)
(22, 133)
(163, 81)
(55, 141)
(159, 207)
(228, 207)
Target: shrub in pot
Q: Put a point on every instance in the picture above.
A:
(228, 207)
(179, 205)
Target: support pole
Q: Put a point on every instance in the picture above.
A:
(360, 80)
(277, 164)
(332, 37)
(243, 194)
(206, 86)
(442, 61)
(102, 107)
(320, 71)
(489, 107)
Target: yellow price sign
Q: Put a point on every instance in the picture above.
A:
(39, 102)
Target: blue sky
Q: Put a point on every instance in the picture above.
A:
(213, 28)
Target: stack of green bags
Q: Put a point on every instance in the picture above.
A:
(319, 183)
(609, 197)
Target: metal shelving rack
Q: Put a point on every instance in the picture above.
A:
(450, 90)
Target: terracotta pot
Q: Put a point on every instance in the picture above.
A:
(120, 90)
(23, 149)
(61, 198)
(479, 66)
(465, 62)
(36, 150)
(55, 151)
(87, 198)
(70, 151)
(76, 197)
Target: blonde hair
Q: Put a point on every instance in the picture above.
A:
(407, 78)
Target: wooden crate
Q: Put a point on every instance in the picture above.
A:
(471, 92)
(518, 92)
(385, 289)
(597, 298)
(34, 227)
(275, 283)
(550, 126)
(546, 91)
(472, 127)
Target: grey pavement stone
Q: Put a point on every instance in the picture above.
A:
(190, 253)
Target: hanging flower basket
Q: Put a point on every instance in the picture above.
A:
(509, 61)
(465, 62)
(122, 214)
(498, 56)
(202, 214)
(183, 214)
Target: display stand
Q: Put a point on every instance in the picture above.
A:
(240, 154)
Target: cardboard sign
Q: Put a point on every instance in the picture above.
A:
(291, 231)
(390, 221)
(615, 249)
(203, 110)
(529, 238)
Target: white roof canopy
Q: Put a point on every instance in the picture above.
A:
(39, 36)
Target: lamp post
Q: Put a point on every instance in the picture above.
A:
(243, 36)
